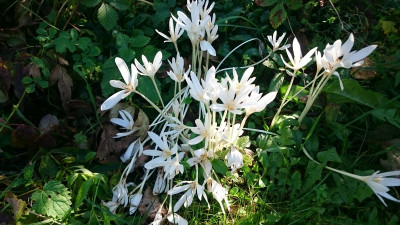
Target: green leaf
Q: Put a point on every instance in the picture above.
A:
(127, 54)
(90, 3)
(388, 27)
(294, 4)
(268, 2)
(219, 166)
(28, 171)
(54, 200)
(122, 40)
(61, 42)
(276, 82)
(313, 173)
(107, 16)
(277, 16)
(241, 37)
(390, 115)
(84, 42)
(121, 4)
(30, 88)
(110, 72)
(353, 92)
(329, 155)
(82, 192)
(243, 142)
(146, 87)
(397, 79)
(139, 41)
(47, 167)
(27, 80)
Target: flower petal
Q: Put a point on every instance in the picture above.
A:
(123, 68)
(112, 100)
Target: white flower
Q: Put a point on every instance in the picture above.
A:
(196, 90)
(201, 156)
(203, 130)
(256, 104)
(186, 199)
(235, 159)
(230, 102)
(276, 43)
(132, 150)
(245, 85)
(176, 219)
(175, 33)
(134, 201)
(298, 62)
(338, 55)
(112, 206)
(206, 46)
(148, 68)
(120, 192)
(173, 167)
(219, 193)
(160, 156)
(126, 123)
(178, 72)
(129, 86)
(379, 182)
(159, 184)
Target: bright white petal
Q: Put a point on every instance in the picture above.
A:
(112, 100)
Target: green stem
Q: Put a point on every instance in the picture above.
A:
(150, 102)
(158, 92)
(15, 108)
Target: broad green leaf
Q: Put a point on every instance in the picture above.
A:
(329, 155)
(397, 79)
(390, 115)
(126, 54)
(82, 192)
(54, 200)
(47, 167)
(84, 42)
(61, 42)
(219, 166)
(139, 41)
(122, 40)
(277, 16)
(241, 37)
(27, 80)
(147, 88)
(110, 72)
(313, 173)
(267, 2)
(353, 92)
(294, 4)
(90, 3)
(107, 16)
(388, 27)
(28, 171)
(276, 82)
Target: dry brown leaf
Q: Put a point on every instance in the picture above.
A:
(24, 136)
(393, 157)
(150, 205)
(18, 205)
(363, 74)
(60, 76)
(142, 122)
(107, 142)
(33, 69)
(19, 72)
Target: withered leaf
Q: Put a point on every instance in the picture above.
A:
(107, 143)
(19, 72)
(150, 205)
(142, 122)
(18, 205)
(23, 136)
(64, 82)
(33, 69)
(5, 82)
(361, 73)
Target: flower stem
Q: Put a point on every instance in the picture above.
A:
(158, 92)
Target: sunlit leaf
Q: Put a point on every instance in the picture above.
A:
(107, 16)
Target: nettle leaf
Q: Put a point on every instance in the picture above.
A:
(90, 3)
(83, 191)
(54, 200)
(219, 166)
(62, 42)
(84, 42)
(107, 16)
(139, 41)
(277, 16)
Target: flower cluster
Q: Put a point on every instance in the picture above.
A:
(224, 105)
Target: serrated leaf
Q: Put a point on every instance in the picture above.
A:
(329, 155)
(139, 41)
(90, 3)
(277, 16)
(84, 42)
(219, 166)
(61, 42)
(82, 192)
(107, 16)
(388, 27)
(126, 54)
(54, 200)
(48, 168)
(122, 40)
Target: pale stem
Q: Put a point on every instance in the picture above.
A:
(207, 59)
(283, 100)
(158, 92)
(200, 59)
(180, 100)
(194, 56)
(313, 96)
(151, 103)
(243, 122)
